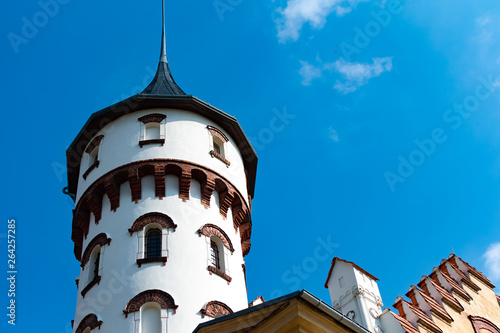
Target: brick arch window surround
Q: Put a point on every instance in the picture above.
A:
(214, 309)
(164, 300)
(218, 245)
(92, 152)
(152, 129)
(480, 323)
(92, 260)
(213, 230)
(89, 321)
(148, 228)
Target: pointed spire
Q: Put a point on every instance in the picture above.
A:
(163, 83)
(163, 54)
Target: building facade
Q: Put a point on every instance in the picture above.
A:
(454, 298)
(163, 184)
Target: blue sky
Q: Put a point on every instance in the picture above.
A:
(389, 155)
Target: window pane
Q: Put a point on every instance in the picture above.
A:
(153, 244)
(214, 255)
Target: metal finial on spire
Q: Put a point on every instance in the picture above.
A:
(163, 83)
(163, 54)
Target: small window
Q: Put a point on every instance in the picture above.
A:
(217, 144)
(153, 243)
(214, 255)
(341, 282)
(94, 262)
(151, 318)
(152, 129)
(92, 155)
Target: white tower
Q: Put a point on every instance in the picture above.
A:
(354, 292)
(163, 184)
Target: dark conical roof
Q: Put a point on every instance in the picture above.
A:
(163, 84)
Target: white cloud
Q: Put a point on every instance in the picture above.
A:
(299, 12)
(333, 135)
(308, 72)
(483, 20)
(357, 74)
(492, 261)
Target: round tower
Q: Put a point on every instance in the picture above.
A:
(162, 184)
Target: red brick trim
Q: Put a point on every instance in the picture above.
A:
(94, 165)
(220, 157)
(218, 133)
(109, 184)
(89, 321)
(142, 261)
(95, 280)
(151, 142)
(210, 229)
(152, 118)
(158, 296)
(211, 309)
(164, 220)
(101, 240)
(213, 270)
(94, 143)
(480, 323)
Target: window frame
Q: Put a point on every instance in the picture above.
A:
(93, 266)
(92, 161)
(217, 137)
(145, 122)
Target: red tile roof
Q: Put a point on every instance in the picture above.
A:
(456, 287)
(464, 278)
(347, 262)
(476, 273)
(423, 319)
(436, 307)
(405, 324)
(446, 296)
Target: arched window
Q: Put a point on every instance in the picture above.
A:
(92, 152)
(152, 230)
(150, 310)
(483, 325)
(151, 318)
(95, 259)
(153, 243)
(88, 324)
(215, 309)
(92, 262)
(218, 248)
(152, 129)
(214, 255)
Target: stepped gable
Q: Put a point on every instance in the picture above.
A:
(444, 285)
(471, 270)
(447, 297)
(435, 307)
